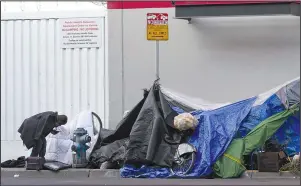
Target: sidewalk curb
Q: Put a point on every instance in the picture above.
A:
(269, 175)
(68, 173)
(109, 173)
(114, 173)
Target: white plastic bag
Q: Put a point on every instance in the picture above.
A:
(185, 121)
(296, 159)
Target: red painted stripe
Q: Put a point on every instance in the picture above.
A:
(167, 4)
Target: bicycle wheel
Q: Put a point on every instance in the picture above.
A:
(96, 128)
(184, 159)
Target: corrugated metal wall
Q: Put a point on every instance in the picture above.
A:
(37, 75)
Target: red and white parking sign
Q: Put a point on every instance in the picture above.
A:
(157, 26)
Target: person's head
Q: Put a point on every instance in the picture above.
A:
(61, 120)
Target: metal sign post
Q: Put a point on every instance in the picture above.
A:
(157, 60)
(157, 30)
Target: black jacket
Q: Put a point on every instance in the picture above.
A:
(37, 126)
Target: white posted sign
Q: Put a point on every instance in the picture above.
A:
(80, 32)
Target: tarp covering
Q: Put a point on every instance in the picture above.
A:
(219, 124)
(230, 165)
(152, 128)
(189, 103)
(290, 93)
(214, 133)
(289, 134)
(113, 152)
(130, 171)
(111, 138)
(211, 138)
(149, 128)
(259, 113)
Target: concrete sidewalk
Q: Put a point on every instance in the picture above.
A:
(269, 175)
(113, 173)
(68, 173)
(144, 182)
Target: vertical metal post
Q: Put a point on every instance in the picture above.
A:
(157, 60)
(122, 62)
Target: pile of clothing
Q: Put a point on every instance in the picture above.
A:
(19, 163)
